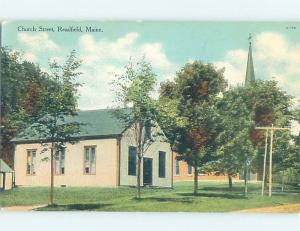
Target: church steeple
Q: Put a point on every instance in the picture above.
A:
(250, 76)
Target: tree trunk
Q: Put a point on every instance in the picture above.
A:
(138, 179)
(52, 174)
(246, 180)
(230, 181)
(282, 182)
(195, 180)
(3, 181)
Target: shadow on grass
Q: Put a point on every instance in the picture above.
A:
(165, 199)
(73, 207)
(220, 195)
(224, 189)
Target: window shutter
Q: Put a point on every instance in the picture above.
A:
(132, 154)
(162, 164)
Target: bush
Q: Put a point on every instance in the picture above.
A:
(289, 177)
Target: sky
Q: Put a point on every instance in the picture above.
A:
(166, 45)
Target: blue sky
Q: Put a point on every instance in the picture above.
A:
(167, 45)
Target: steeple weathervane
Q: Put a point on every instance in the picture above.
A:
(250, 76)
(250, 38)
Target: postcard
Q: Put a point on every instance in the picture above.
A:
(150, 116)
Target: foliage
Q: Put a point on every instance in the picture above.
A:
(133, 91)
(190, 119)
(270, 104)
(58, 102)
(22, 86)
(235, 149)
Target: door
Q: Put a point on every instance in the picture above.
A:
(147, 171)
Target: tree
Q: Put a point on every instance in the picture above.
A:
(286, 166)
(136, 107)
(22, 84)
(168, 111)
(287, 155)
(271, 105)
(193, 96)
(242, 109)
(235, 149)
(58, 105)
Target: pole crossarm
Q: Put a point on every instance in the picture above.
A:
(272, 129)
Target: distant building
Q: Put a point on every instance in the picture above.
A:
(104, 156)
(6, 176)
(182, 171)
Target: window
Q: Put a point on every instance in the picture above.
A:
(132, 161)
(89, 160)
(162, 164)
(148, 129)
(31, 159)
(190, 169)
(60, 162)
(177, 168)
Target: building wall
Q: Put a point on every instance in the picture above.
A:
(152, 152)
(106, 165)
(183, 173)
(8, 181)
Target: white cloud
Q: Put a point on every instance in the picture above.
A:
(275, 57)
(154, 53)
(122, 49)
(38, 41)
(234, 74)
(103, 59)
(35, 44)
(96, 88)
(270, 45)
(237, 57)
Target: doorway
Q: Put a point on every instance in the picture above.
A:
(147, 171)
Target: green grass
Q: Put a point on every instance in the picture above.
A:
(213, 197)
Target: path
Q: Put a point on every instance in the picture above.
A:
(288, 208)
(21, 208)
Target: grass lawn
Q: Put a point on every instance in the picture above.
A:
(213, 197)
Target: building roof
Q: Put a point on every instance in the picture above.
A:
(93, 124)
(250, 76)
(4, 167)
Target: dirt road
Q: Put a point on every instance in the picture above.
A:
(21, 208)
(289, 208)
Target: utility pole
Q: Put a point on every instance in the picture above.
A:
(264, 169)
(272, 129)
(270, 162)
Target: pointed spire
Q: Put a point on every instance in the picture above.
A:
(250, 76)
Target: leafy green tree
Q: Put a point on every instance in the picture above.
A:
(242, 109)
(58, 105)
(287, 155)
(271, 105)
(22, 84)
(235, 149)
(286, 159)
(168, 111)
(191, 117)
(133, 91)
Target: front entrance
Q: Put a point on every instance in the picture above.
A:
(147, 171)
